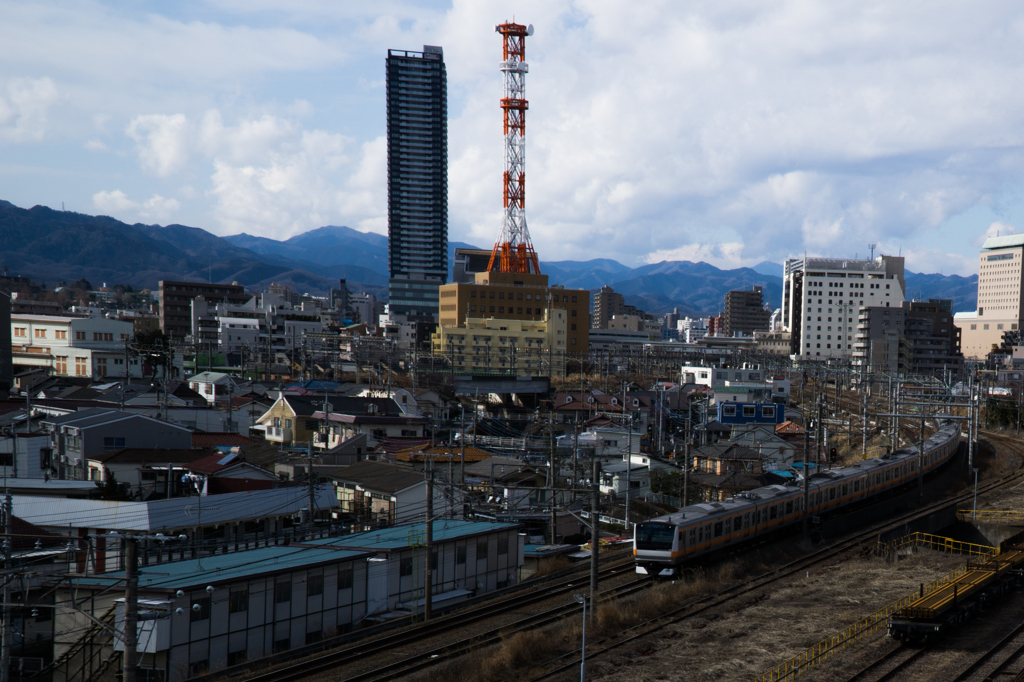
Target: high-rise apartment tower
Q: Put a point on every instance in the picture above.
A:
(745, 312)
(417, 94)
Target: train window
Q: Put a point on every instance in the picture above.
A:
(737, 523)
(819, 498)
(654, 536)
(773, 512)
(832, 493)
(700, 535)
(887, 474)
(789, 507)
(693, 536)
(856, 486)
(718, 529)
(844, 488)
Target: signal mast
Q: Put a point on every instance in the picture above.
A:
(513, 252)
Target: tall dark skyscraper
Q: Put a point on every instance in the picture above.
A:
(417, 179)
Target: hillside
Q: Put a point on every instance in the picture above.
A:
(53, 246)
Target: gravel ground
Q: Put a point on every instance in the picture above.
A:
(747, 639)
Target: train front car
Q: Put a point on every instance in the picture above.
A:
(655, 547)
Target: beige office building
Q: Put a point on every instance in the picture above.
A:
(999, 296)
(489, 344)
(517, 297)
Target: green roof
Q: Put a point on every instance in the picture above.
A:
(244, 564)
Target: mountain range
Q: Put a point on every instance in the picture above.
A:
(53, 246)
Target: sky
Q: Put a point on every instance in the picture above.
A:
(725, 131)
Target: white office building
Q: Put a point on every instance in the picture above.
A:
(822, 298)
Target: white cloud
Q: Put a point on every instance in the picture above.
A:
(117, 204)
(725, 256)
(932, 260)
(95, 146)
(996, 229)
(114, 202)
(24, 103)
(272, 178)
(161, 141)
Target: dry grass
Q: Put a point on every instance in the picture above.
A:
(738, 641)
(519, 653)
(553, 565)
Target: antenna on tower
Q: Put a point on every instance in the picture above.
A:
(872, 247)
(513, 252)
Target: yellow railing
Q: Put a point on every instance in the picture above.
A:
(992, 516)
(939, 544)
(826, 648)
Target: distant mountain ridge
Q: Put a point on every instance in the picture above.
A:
(54, 246)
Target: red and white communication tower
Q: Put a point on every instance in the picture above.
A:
(513, 252)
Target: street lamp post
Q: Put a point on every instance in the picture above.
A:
(582, 599)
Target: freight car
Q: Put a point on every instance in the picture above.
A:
(956, 601)
(661, 545)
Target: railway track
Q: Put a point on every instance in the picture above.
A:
(570, 661)
(882, 669)
(995, 662)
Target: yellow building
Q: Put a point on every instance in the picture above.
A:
(514, 297)
(492, 344)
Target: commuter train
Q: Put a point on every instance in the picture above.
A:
(661, 545)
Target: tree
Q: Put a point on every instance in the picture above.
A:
(110, 489)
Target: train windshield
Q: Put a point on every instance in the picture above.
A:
(654, 536)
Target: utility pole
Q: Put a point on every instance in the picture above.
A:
(629, 452)
(551, 481)
(310, 488)
(807, 473)
(686, 474)
(864, 423)
(896, 411)
(817, 436)
(462, 458)
(920, 460)
(595, 532)
(428, 585)
(131, 608)
(971, 416)
(7, 635)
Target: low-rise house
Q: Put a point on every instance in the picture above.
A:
(615, 480)
(290, 420)
(375, 494)
(578, 408)
(725, 468)
(378, 418)
(507, 484)
(144, 471)
(77, 437)
(775, 452)
(228, 472)
(214, 387)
